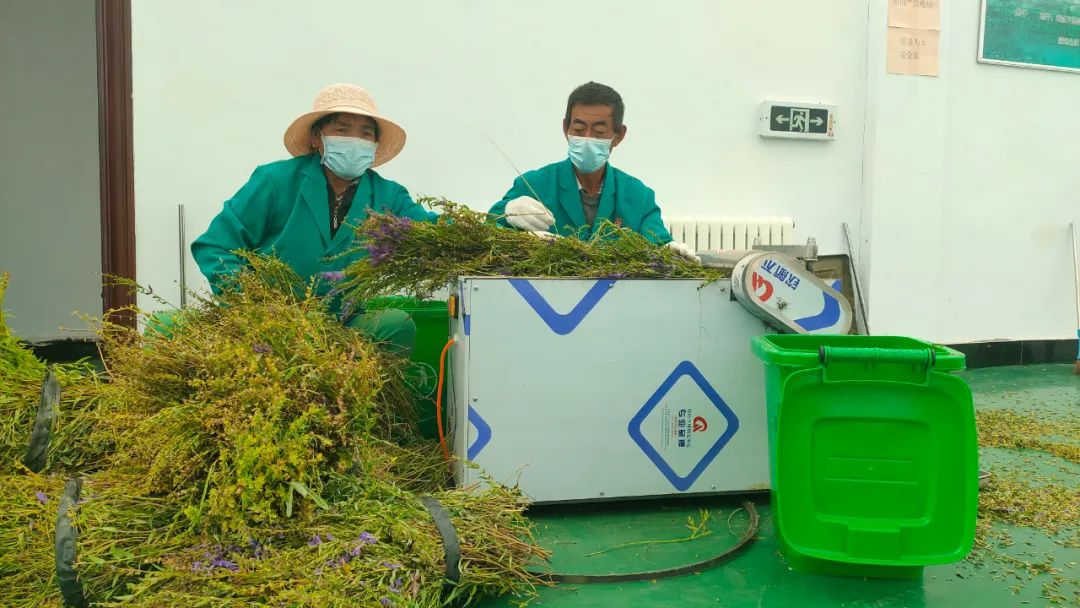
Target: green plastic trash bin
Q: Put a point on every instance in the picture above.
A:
(432, 333)
(873, 453)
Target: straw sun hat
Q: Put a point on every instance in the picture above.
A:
(351, 99)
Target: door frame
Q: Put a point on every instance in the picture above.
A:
(117, 159)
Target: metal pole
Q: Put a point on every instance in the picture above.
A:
(1076, 273)
(864, 326)
(183, 257)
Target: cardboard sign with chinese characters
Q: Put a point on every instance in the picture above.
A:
(913, 51)
(915, 14)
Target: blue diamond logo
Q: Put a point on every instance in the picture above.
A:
(683, 437)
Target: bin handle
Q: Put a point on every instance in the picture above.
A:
(832, 354)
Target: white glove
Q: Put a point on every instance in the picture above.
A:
(543, 234)
(527, 213)
(684, 250)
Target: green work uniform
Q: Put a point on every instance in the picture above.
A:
(624, 201)
(283, 210)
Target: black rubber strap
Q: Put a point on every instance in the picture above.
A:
(582, 579)
(451, 545)
(37, 455)
(66, 536)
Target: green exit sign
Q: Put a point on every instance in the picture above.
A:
(795, 120)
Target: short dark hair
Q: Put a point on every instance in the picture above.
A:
(596, 94)
(317, 126)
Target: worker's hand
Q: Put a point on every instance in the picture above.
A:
(544, 234)
(527, 213)
(684, 250)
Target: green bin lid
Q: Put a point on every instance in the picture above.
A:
(874, 470)
(799, 350)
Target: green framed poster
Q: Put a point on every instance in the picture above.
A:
(1041, 34)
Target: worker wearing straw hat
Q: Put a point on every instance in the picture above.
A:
(300, 209)
(572, 196)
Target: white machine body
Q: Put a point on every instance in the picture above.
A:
(600, 389)
(586, 389)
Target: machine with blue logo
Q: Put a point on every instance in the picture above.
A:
(586, 389)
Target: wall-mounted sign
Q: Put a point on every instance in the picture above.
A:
(1041, 34)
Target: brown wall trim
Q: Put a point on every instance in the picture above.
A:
(117, 156)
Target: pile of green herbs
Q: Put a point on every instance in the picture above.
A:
(399, 256)
(21, 378)
(261, 454)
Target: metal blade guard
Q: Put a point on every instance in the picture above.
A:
(782, 292)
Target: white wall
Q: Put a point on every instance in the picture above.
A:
(973, 178)
(958, 188)
(50, 237)
(215, 85)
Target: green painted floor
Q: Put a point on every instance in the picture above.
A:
(759, 577)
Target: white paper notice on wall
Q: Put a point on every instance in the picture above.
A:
(913, 51)
(915, 14)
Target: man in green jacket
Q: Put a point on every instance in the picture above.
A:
(300, 209)
(570, 197)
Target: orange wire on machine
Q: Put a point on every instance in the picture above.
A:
(439, 401)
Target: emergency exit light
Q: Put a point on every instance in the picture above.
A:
(796, 120)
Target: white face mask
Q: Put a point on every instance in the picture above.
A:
(588, 154)
(348, 157)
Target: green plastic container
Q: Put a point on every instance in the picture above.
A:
(873, 453)
(432, 333)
